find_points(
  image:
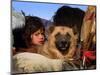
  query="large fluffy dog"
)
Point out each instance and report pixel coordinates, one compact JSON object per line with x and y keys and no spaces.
{"x":63,"y":36}
{"x":61,"y":42}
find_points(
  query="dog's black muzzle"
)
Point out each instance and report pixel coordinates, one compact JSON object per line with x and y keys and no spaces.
{"x":62,"y":45}
{"x":62,"y":42}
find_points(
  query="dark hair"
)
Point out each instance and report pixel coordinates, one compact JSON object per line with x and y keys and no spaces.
{"x":32,"y":24}
{"x":69,"y":16}
{"x":18,"y":39}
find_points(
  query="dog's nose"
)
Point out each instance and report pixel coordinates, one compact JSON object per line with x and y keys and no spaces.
{"x":64,"y":42}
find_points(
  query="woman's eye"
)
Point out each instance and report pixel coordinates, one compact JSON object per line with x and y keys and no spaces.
{"x":42,"y":33}
{"x":36,"y":34}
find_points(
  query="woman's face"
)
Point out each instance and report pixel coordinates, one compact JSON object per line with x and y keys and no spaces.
{"x":38,"y":37}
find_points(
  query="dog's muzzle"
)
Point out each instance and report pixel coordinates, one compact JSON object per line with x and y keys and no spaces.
{"x":63,"y":44}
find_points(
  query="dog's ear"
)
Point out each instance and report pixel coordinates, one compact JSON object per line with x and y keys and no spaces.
{"x":75,"y":30}
{"x":50,"y":29}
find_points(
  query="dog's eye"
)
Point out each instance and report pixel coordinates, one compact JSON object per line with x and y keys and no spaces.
{"x":57,"y":35}
{"x":68,"y":35}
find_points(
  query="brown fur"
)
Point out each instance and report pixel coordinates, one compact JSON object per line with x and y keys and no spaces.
{"x":50,"y":49}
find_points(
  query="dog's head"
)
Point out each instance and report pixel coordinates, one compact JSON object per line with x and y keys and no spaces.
{"x":62,"y":38}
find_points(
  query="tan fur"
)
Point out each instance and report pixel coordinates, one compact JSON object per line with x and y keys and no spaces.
{"x":50,"y":49}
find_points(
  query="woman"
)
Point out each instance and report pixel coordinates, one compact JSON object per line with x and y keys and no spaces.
{"x":33,"y":34}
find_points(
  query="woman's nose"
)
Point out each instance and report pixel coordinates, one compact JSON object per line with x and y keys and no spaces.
{"x":41,"y":36}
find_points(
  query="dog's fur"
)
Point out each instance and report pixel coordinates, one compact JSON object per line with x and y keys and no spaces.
{"x":58,"y":34}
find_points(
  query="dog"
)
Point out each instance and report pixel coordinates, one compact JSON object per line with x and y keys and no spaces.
{"x":61,"y":43}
